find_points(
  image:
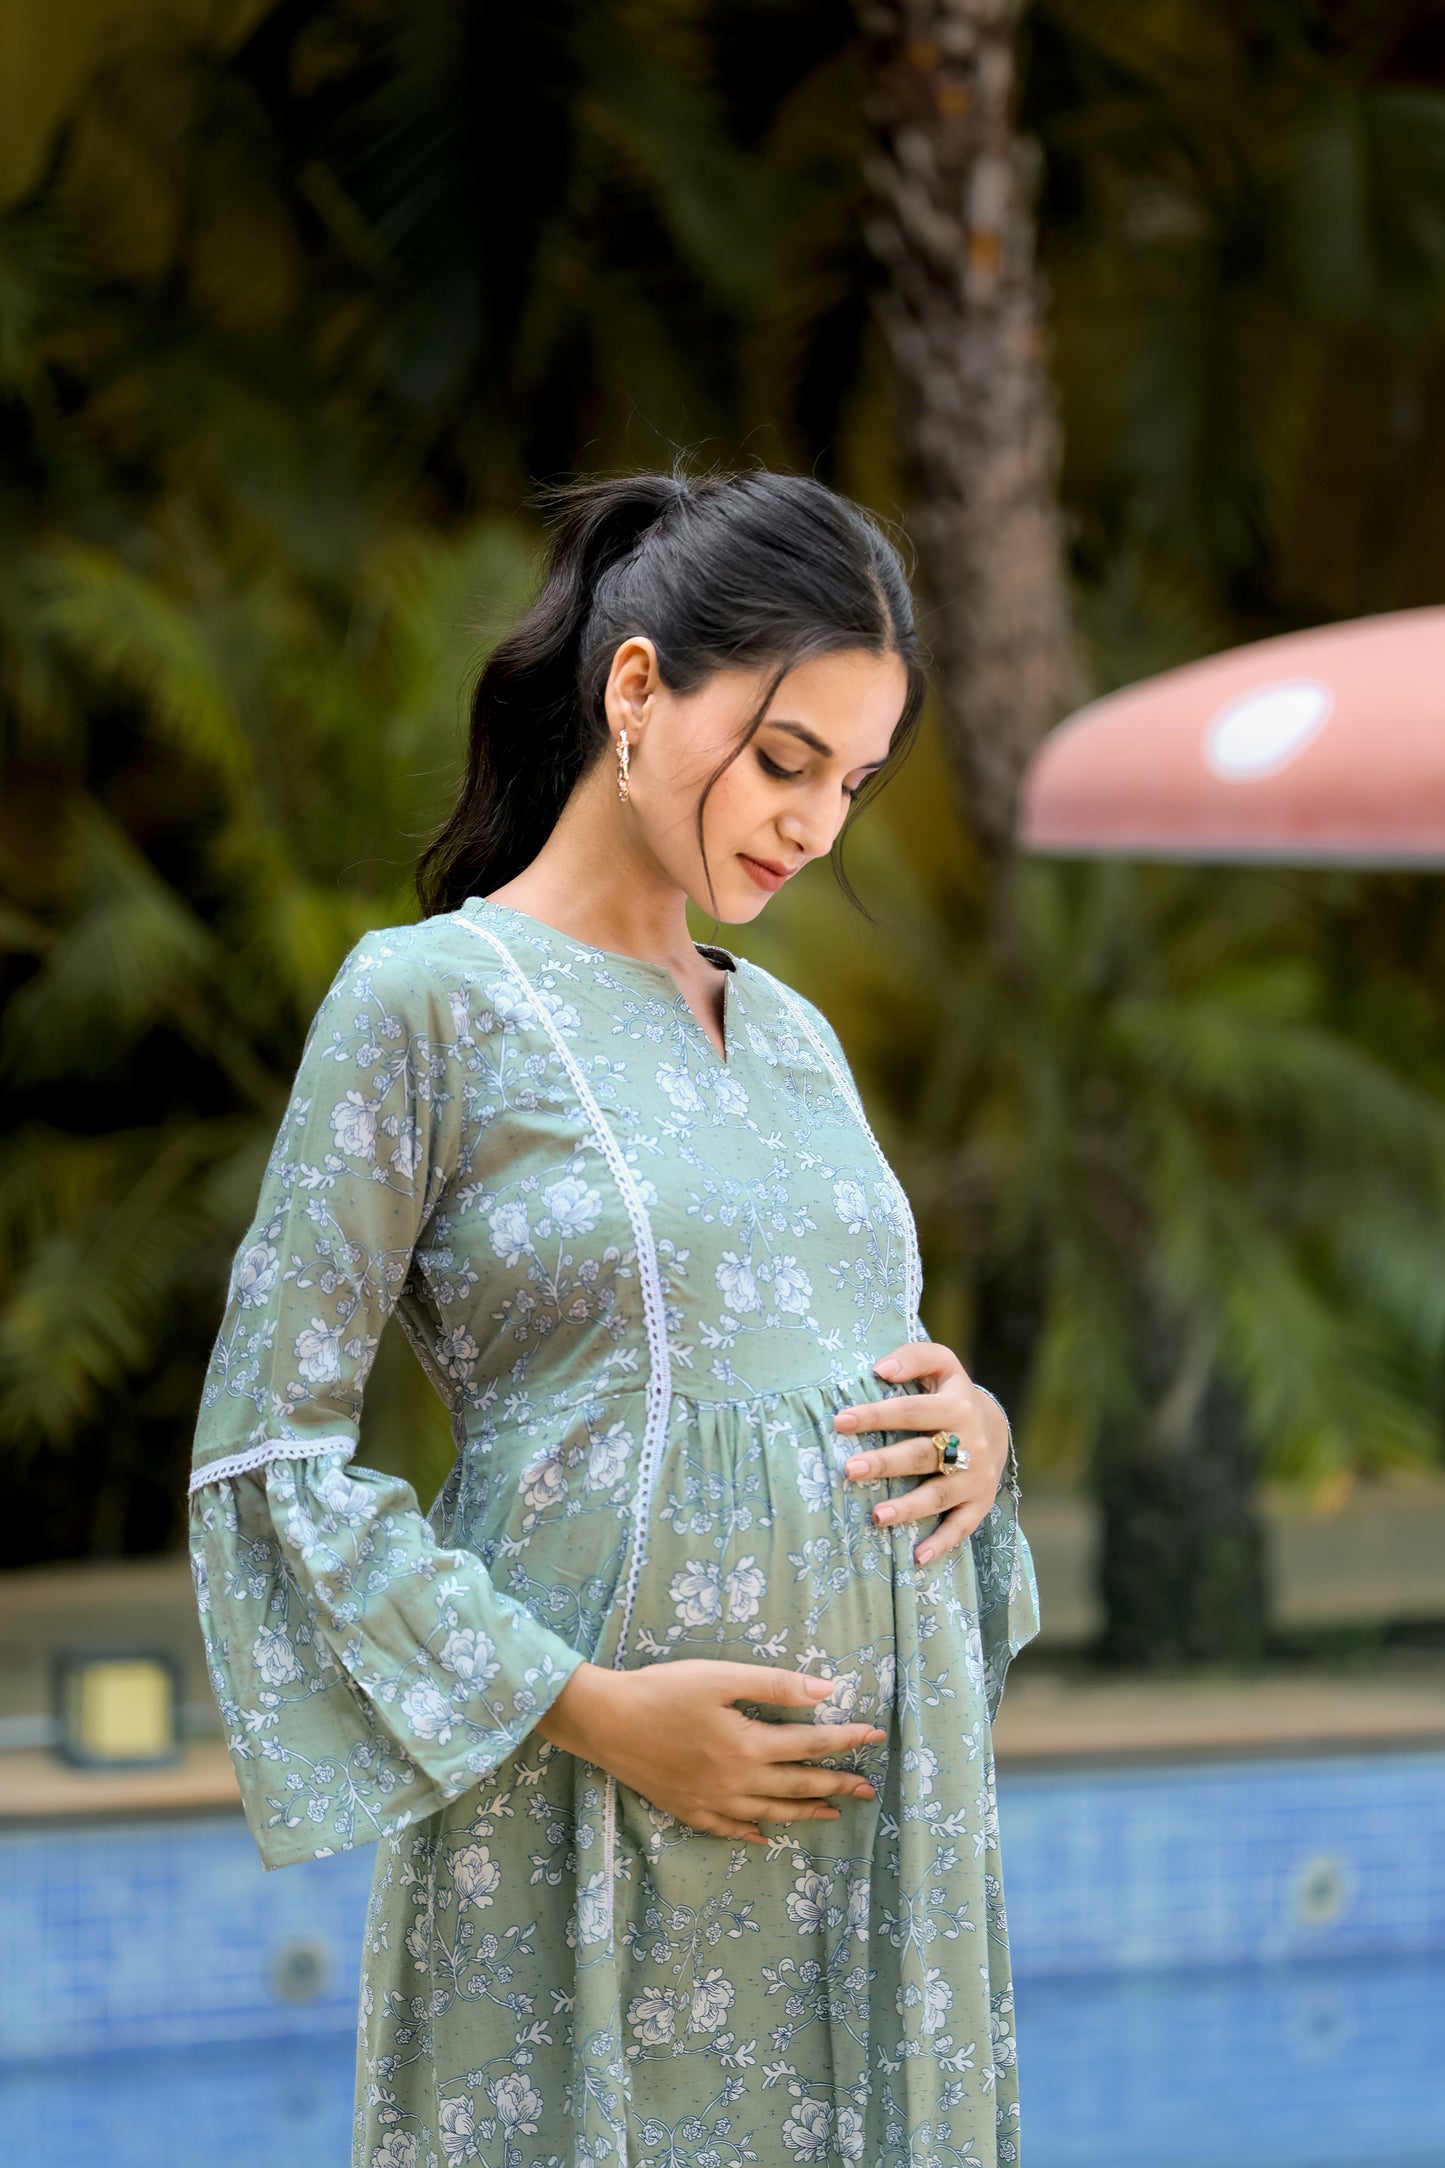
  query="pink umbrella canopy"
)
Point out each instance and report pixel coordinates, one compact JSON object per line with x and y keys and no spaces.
{"x":1323,"y":748}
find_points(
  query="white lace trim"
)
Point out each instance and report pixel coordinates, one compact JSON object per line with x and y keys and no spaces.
{"x":659,"y":1377}
{"x":659,"y":1382}
{"x":912,"y":1264}
{"x":257,"y":1456}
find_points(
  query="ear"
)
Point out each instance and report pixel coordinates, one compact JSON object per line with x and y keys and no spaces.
{"x":632,"y":680}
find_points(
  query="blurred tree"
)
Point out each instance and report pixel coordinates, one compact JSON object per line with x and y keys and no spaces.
{"x":232,"y":654}
{"x":1241,"y":228}
{"x":953,"y":227}
{"x":265,"y":344}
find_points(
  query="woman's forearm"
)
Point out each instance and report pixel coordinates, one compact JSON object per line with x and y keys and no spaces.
{"x":584,"y":1713}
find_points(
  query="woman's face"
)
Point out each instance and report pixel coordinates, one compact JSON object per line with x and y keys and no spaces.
{"x":782,"y":801}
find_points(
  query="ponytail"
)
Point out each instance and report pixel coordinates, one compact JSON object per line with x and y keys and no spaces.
{"x":719,"y":571}
{"x":529,"y":740}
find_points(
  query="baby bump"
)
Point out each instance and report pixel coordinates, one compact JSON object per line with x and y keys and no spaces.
{"x":760,"y":1551}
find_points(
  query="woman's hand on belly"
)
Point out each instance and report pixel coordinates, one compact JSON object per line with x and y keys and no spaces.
{"x":670,"y":1730}
{"x":960,"y":1496}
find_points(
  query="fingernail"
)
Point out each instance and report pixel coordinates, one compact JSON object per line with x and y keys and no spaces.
{"x":820,"y":1689}
{"x":883,"y":1513}
{"x":858,"y":1465}
{"x":843,"y":1422}
{"x":888,"y":1368}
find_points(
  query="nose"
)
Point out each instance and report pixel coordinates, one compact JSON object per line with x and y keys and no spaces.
{"x":807,"y":832}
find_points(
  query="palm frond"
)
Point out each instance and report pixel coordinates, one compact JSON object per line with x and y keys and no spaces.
{"x":104,"y":1230}
{"x":133,"y":954}
{"x":130,"y":630}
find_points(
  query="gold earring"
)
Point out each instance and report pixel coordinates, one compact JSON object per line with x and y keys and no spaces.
{"x":622,"y":759}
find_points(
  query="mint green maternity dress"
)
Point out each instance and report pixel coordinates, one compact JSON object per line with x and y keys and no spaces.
{"x":643,"y":1279}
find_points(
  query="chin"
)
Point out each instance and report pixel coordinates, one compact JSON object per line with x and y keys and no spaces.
{"x":741,"y":902}
{"x":749,"y":907}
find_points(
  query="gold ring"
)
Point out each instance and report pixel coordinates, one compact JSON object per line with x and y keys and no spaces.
{"x":950,"y":1453}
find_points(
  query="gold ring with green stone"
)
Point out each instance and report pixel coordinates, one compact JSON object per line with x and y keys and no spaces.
{"x":945,"y":1444}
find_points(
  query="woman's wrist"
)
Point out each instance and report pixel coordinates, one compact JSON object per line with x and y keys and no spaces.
{"x":581,"y":1717}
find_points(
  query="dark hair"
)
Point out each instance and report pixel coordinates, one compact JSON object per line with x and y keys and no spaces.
{"x":719,"y":571}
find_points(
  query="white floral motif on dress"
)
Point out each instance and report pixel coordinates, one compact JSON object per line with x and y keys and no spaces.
{"x":255,"y":1274}
{"x":458,"y":2131}
{"x":574,"y":1207}
{"x":476,"y":1874}
{"x":353,"y":1126}
{"x":738,"y":1285}
{"x":792,"y":1289}
{"x":318,"y":1352}
{"x":470,"y":1654}
{"x":518,"y":2102}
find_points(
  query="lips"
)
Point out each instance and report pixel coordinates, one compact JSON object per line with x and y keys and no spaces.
{"x":766,"y":871}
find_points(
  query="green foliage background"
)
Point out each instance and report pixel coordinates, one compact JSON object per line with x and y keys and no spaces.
{"x":295,"y":301}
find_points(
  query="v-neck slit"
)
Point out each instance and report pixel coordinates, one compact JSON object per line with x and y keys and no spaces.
{"x":726,"y":962}
{"x":723,"y":1058}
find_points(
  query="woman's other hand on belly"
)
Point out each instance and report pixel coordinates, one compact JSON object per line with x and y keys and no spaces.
{"x":671,"y":1732}
{"x":950,"y":1406}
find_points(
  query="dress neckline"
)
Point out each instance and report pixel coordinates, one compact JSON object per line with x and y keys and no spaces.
{"x":723,"y":958}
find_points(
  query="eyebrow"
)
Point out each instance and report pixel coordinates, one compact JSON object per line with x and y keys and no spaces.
{"x":796,"y":730}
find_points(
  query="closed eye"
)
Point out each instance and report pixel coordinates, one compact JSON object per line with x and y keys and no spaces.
{"x":790,"y":775}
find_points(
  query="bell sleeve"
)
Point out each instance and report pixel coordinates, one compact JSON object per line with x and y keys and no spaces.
{"x":1008,"y":1590}
{"x":365,"y":1674}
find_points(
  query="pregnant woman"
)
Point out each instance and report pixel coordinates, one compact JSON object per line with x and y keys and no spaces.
{"x":673,"y":1715}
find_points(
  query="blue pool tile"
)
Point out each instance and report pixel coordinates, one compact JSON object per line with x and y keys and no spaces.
{"x":168,"y":1935}
{"x":1276,"y":2067}
{"x":275,"y":2104}
{"x":1224,"y":1864}
{"x":171,"y":1934}
{"x":1319,"y":2066}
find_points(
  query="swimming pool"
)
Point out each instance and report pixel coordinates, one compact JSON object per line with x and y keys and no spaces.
{"x":1229,"y":1965}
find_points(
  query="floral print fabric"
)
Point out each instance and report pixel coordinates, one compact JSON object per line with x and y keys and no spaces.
{"x":644,"y":1279}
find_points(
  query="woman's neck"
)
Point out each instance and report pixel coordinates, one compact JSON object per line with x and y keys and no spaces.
{"x":590,"y":881}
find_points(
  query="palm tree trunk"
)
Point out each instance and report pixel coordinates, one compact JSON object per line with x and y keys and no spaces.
{"x":1183,"y":1564}
{"x":952,"y":226}
{"x":1183,"y":1576}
